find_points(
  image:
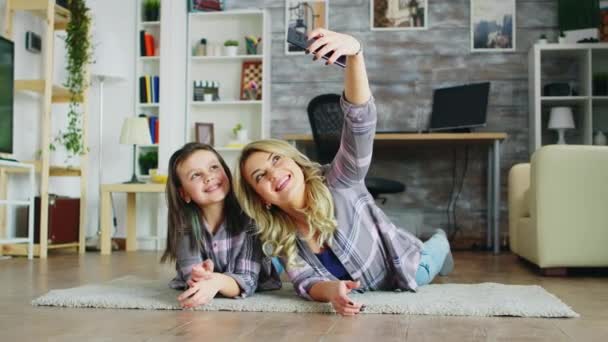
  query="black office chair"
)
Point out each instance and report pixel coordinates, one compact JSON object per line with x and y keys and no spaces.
{"x":326,"y":120}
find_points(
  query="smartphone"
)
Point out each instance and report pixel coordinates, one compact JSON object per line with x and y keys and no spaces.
{"x":299,"y":39}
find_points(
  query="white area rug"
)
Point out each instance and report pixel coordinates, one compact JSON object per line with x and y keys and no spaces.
{"x":486,"y":299}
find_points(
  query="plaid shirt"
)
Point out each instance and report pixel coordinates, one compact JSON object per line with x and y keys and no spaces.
{"x":370,"y":247}
{"x":238,"y":256}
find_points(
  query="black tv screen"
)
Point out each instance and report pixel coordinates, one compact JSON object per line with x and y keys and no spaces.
{"x":460,"y":107}
{"x":7,"y":81}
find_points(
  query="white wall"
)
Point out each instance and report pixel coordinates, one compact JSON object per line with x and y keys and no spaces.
{"x":115,"y":41}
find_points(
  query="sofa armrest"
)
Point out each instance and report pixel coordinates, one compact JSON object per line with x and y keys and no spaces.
{"x":568,"y":204}
{"x":519,"y":183}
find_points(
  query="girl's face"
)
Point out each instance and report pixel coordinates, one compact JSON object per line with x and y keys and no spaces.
{"x":277,"y":179}
{"x":203,"y":179}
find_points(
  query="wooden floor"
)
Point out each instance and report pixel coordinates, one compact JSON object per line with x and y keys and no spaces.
{"x":22,"y":280}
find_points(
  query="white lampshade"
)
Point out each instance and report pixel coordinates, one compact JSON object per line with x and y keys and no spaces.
{"x":561,"y":118}
{"x":135,"y":131}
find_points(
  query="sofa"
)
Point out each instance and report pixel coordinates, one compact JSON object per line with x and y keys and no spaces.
{"x":558,"y":207}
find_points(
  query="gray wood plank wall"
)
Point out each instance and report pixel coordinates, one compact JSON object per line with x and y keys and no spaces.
{"x":404,"y":67}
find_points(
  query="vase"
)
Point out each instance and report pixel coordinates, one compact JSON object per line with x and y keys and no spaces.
{"x":231,"y":51}
{"x":242,"y":136}
{"x":251,"y":94}
{"x":599,"y":138}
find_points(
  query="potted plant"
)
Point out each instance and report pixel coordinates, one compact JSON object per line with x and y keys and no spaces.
{"x":151,"y":10}
{"x":562,"y":37}
{"x":240,"y":133}
{"x":542,"y":39}
{"x":79,"y":52}
{"x":148,"y":161}
{"x":231,"y":47}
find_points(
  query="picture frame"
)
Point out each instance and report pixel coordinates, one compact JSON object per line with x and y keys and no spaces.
{"x":204,"y":133}
{"x":205,"y":5}
{"x":493,"y":26}
{"x":397,"y":15}
{"x":304,"y":16}
{"x":251,"y":71}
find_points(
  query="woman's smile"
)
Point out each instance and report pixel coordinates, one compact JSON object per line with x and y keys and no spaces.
{"x":282,"y":183}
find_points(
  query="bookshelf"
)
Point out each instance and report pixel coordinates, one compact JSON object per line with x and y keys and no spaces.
{"x":231,"y":108}
{"x":147,"y":80}
{"x":575,"y":65}
{"x":52,"y":18}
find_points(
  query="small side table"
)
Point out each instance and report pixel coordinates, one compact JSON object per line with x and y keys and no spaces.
{"x":106,"y":211}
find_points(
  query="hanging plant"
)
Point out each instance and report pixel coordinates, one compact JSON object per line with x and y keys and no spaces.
{"x":79,"y":54}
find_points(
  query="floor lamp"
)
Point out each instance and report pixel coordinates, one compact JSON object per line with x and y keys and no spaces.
{"x":101,"y":79}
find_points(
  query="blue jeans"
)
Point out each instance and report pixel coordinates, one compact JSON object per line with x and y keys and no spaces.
{"x":432,"y":256}
{"x":277,"y":265}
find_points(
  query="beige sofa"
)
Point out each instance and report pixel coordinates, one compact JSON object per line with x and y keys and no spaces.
{"x":558,"y":207}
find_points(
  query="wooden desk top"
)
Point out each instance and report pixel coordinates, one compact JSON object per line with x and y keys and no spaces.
{"x":145,"y":187}
{"x":419,"y":137}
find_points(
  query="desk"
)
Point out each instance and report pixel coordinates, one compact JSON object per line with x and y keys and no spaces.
{"x":493,"y":141}
{"x":106,"y":211}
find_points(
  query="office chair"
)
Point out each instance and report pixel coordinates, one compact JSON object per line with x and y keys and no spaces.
{"x":326,"y":120}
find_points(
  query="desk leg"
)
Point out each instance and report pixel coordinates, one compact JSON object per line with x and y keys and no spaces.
{"x":106,"y":213}
{"x":490,"y":197}
{"x":131,"y":224}
{"x":496,"y":196}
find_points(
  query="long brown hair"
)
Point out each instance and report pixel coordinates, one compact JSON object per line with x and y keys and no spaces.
{"x":185,"y":218}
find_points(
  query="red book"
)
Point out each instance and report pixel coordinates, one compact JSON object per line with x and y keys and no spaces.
{"x":156,"y":131}
{"x":149,"y":44}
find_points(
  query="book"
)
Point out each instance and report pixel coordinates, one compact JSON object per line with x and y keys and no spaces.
{"x":148,"y":90}
{"x":142,"y":43}
{"x":156,"y":89}
{"x":142,"y":89}
{"x":149,"y":43}
{"x":156,"y":132}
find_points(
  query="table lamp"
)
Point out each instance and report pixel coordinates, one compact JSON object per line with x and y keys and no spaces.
{"x":134,"y":132}
{"x":561,"y":120}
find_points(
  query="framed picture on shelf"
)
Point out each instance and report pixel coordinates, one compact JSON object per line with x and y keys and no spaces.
{"x":393,"y":15}
{"x":204,"y":133}
{"x":251,"y":80}
{"x":492,"y":25}
{"x":304,"y":16}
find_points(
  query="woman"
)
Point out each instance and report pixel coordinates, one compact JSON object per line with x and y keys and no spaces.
{"x":321,"y":220}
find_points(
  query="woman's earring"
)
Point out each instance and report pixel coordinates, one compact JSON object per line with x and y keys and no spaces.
{"x":268,"y":206}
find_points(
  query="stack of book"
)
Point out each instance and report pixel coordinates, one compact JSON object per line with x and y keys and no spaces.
{"x":146,"y":44}
{"x":149,"y":87}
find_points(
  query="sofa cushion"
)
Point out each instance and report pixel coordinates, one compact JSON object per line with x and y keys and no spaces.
{"x":526,"y":204}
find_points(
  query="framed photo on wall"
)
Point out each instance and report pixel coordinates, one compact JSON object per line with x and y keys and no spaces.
{"x":304,"y":16}
{"x":393,"y":15}
{"x":492,"y":25}
{"x":204,"y":133}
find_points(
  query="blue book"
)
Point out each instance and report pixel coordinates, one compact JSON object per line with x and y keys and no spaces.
{"x":152,"y":125}
{"x":156,"y":89}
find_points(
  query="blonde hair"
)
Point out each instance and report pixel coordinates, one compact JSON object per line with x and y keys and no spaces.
{"x":274,"y":225}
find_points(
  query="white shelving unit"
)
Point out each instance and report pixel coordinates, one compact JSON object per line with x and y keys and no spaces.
{"x":26,"y":203}
{"x":230,"y":109}
{"x":574,"y":64}
{"x":146,"y":65}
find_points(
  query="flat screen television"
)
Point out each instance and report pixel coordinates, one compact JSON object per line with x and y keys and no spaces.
{"x":7,"y":85}
{"x":460,"y":108}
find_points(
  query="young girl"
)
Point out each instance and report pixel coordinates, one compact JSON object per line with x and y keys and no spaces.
{"x":321,"y":220}
{"x":212,"y":241}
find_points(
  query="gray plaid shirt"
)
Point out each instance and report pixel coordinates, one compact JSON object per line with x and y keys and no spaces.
{"x":372,"y":250}
{"x":238,"y":256}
